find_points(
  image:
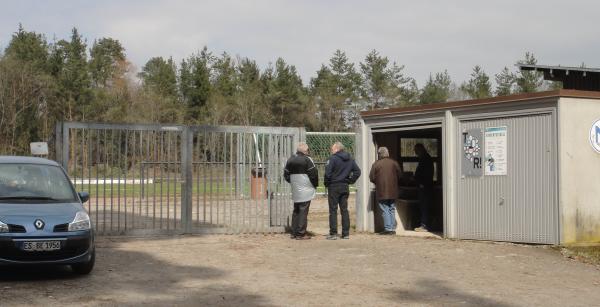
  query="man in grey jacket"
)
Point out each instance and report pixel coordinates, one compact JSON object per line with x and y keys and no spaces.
{"x":301,"y":173}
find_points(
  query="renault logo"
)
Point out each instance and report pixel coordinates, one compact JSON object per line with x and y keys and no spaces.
{"x":39,"y":224}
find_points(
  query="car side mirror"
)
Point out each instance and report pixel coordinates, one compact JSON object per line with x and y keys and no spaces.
{"x":84,"y":196}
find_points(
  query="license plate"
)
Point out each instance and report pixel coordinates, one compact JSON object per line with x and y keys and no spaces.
{"x":41,"y":246}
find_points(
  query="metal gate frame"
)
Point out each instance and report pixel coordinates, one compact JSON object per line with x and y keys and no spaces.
{"x":187,"y":160}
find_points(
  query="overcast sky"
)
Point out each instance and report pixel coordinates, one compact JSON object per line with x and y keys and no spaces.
{"x":425,"y":36}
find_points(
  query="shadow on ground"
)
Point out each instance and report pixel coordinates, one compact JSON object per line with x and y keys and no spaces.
{"x":124,"y":277}
{"x":437,"y":292}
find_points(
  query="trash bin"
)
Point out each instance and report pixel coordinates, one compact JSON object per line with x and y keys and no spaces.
{"x":258,"y":183}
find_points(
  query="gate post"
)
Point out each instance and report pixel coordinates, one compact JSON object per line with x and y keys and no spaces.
{"x":65,"y":145}
{"x":301,"y":136}
{"x":187,"y":145}
{"x":58,"y":142}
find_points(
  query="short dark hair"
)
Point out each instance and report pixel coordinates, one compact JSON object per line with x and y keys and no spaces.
{"x":420,"y":146}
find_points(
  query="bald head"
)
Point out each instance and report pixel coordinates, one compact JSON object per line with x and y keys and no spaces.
{"x":303,"y":148}
{"x":336,"y":147}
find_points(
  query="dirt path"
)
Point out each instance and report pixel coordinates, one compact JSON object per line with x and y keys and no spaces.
{"x":272,"y":270}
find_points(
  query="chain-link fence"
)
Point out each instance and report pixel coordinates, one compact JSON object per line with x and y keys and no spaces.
{"x":319,"y":144}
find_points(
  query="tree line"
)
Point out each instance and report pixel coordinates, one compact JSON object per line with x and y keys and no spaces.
{"x":42,"y":82}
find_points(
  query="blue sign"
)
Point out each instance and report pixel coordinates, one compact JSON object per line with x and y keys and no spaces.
{"x":595,"y":136}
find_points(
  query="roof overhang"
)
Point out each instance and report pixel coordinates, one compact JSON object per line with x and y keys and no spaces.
{"x":493,"y":101}
{"x":575,"y":78}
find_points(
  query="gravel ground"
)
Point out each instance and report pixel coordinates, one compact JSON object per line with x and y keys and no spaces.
{"x":272,"y":270}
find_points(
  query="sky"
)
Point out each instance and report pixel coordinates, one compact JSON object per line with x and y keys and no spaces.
{"x":424,"y":36}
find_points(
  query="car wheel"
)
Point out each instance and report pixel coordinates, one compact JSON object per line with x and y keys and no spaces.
{"x":85,"y":267}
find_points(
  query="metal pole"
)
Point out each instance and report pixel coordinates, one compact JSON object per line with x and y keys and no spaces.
{"x":58,"y":142}
{"x":65,"y":147}
{"x":186,"y":186}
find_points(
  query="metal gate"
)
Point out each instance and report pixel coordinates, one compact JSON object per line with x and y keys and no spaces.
{"x":180,"y":179}
{"x":522,"y":205}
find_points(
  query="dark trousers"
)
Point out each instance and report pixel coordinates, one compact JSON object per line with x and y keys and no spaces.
{"x":338,"y":196}
{"x":300,"y":218}
{"x":425,"y":196}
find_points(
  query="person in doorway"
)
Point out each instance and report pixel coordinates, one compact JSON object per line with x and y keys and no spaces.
{"x":386,"y":175}
{"x":301,"y":172}
{"x":341,"y":171}
{"x":424,"y":180}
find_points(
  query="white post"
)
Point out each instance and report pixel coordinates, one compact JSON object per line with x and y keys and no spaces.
{"x":364,"y":216}
{"x":449,"y":171}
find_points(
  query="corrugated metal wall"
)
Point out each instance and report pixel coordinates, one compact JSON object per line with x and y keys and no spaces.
{"x":521,"y":206}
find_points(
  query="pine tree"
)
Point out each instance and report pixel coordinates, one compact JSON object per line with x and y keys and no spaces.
{"x":479,"y":85}
{"x":529,"y":81}
{"x":437,"y":89}
{"x":29,"y":47}
{"x":159,"y":75}
{"x":505,"y":81}
{"x":286,"y":96}
{"x":106,"y":57}
{"x":375,"y":78}
{"x":250,"y":106}
{"x":224,"y":76}
{"x":335,"y":88}
{"x":159,"y":85}
{"x":69,"y":65}
{"x":26,"y":92}
{"x":384,"y":84}
{"x":194,"y":84}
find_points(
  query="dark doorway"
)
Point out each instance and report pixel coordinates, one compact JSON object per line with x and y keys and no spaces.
{"x":401,"y":147}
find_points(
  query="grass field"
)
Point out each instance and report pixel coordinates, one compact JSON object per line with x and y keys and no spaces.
{"x":154,"y":189}
{"x":173,"y":186}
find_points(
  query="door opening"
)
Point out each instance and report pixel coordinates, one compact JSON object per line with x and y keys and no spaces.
{"x":414,"y":197}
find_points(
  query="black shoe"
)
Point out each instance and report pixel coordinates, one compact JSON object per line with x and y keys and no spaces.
{"x":292,"y":237}
{"x":391,"y":232}
{"x":302,"y":238}
{"x":332,"y":237}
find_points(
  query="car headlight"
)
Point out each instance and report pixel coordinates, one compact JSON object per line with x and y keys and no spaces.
{"x":81,"y":222}
{"x":3,"y":227}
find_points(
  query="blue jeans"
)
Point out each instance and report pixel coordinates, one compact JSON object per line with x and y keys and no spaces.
{"x":388,"y":211}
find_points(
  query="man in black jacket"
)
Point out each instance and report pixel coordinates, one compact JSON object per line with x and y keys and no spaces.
{"x":301,"y":173}
{"x":341,"y":170}
{"x":424,"y":180}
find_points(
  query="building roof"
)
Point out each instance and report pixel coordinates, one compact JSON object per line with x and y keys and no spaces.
{"x":25,"y":160}
{"x":483,"y":102}
{"x":573,"y":78}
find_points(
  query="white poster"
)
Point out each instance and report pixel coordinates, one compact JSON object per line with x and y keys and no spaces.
{"x":495,"y":151}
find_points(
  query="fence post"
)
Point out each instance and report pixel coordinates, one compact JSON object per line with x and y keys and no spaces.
{"x":58,"y":142}
{"x":187,"y":145}
{"x":301,"y":135}
{"x":65,"y":147}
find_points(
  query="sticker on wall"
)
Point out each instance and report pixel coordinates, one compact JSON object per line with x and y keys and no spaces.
{"x":595,"y":136}
{"x":472,"y":162}
{"x":496,"y":162}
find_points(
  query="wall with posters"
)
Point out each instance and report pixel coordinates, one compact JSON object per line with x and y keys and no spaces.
{"x":513,"y":196}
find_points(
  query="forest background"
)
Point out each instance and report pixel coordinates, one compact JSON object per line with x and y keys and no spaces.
{"x":43,"y":82}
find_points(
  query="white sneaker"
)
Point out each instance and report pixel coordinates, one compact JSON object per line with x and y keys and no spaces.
{"x":421,"y":229}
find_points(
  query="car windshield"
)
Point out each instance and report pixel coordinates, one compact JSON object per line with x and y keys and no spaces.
{"x":34,"y":182}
